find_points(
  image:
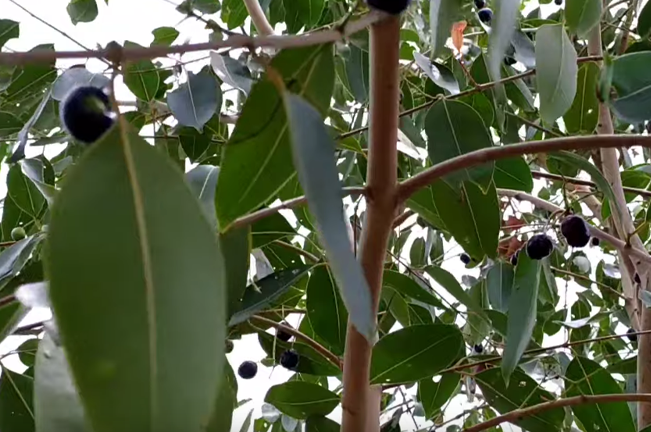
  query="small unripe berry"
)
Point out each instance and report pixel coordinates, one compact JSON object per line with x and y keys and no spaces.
{"x":485,"y":15}
{"x":539,"y":246}
{"x":575,"y":230}
{"x":18,"y":233}
{"x":289,"y":359}
{"x":247,"y":369}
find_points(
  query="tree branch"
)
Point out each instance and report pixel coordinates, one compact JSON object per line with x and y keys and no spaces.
{"x":358,"y":407}
{"x":115,"y":53}
{"x":331,"y":357}
{"x":259,"y":19}
{"x":576,"y":181}
{"x":410,"y":186}
{"x":559,"y":403}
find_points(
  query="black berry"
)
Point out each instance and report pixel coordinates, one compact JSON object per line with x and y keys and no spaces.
{"x":558,"y":2}
{"x":247,"y":369}
{"x":594,"y":241}
{"x":509,"y":61}
{"x":393,"y":7}
{"x":289,"y":359}
{"x":85,"y":113}
{"x":575,"y":230}
{"x":282,"y":334}
{"x":485,"y":15}
{"x":18,"y":233}
{"x":465,"y":258}
{"x":514,"y":258}
{"x":480,"y":4}
{"x":539,"y":246}
{"x":631,"y":335}
{"x":478,"y":349}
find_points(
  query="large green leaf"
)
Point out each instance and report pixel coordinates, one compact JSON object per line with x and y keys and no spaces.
{"x":556,"y":71}
{"x":415,"y":353}
{"x":56,"y":402}
{"x":356,"y":73}
{"x":9,"y":29}
{"x":522,"y":391}
{"x":321,"y":424}
{"x":317,"y":172}
{"x":586,"y":377}
{"x":513,"y":173}
{"x":141,"y":77}
{"x":326,"y":310}
{"x":16,"y":406}
{"x":452,"y":286}
{"x":442,"y":14}
{"x":82,"y":11}
{"x":410,"y":288}
{"x":169,"y":291}
{"x":303,"y":13}
{"x":522,"y":312}
{"x":257,"y":161}
{"x":434,"y":395}
{"x":582,"y":15}
{"x":302,"y":399}
{"x":225,"y":403}
{"x":471,"y":216}
{"x":643,"y":21}
{"x":583,"y":115}
{"x":196,"y":100}
{"x":633,"y":85}
{"x":499,"y":282}
{"x":502,"y":27}
{"x":454,"y":128}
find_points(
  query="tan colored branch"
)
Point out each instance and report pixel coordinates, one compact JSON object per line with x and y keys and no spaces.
{"x":332,"y":358}
{"x":259,"y":19}
{"x":359,"y":413}
{"x":117,"y":54}
{"x":478,"y":157}
{"x":515,"y":415}
{"x":576,"y":181}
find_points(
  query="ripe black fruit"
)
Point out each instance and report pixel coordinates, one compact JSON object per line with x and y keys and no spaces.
{"x":539,"y":246}
{"x":631,"y":337}
{"x":594,"y":241}
{"x":247,"y":369}
{"x":485,"y":15}
{"x":465,"y":258}
{"x":282,"y":334}
{"x":478,"y":349}
{"x":509,"y":61}
{"x":575,"y":230}
{"x":85,"y":113}
{"x":558,"y":2}
{"x":480,"y":4}
{"x":18,"y":233}
{"x":393,"y":7}
{"x":289,"y":359}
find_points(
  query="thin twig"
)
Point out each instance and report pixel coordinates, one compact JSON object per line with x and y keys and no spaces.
{"x":576,"y":181}
{"x":298,"y":250}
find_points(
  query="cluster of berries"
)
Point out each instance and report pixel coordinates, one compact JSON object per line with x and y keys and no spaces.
{"x":288,"y":359}
{"x":484,"y":13}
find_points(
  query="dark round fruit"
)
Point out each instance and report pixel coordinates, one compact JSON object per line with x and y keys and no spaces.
{"x":539,"y":246}
{"x":85,"y":113}
{"x":594,"y":241}
{"x":478,"y":349}
{"x":282,"y":334}
{"x":289,"y":359}
{"x":485,"y":15}
{"x":631,"y":337}
{"x":480,"y":4}
{"x":393,"y":7}
{"x":229,"y":346}
{"x":465,"y":258}
{"x":575,"y":230}
{"x":247,"y":369}
{"x":18,"y":233}
{"x":558,"y":2}
{"x":509,"y":61}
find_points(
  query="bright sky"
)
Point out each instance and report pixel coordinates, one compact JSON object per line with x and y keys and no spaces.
{"x":133,"y":20}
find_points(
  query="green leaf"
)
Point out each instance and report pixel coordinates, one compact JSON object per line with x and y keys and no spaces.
{"x":257,"y":161}
{"x":643,"y":22}
{"x":23,"y":205}
{"x":321,"y":424}
{"x":422,"y":202}
{"x":472,"y":217}
{"x":317,"y":172}
{"x":414,"y":353}
{"x":513,"y":173}
{"x":27,"y":352}
{"x":439,"y":74}
{"x":633,"y":85}
{"x":265,"y":291}
{"x":442,"y":14}
{"x":556,"y":71}
{"x":16,"y":407}
{"x":586,"y":377}
{"x":521,"y":313}
{"x":225,"y":403}
{"x":310,"y":361}
{"x":302,"y":399}
{"x":326,"y":310}
{"x":18,"y":151}
{"x":521,"y":392}
{"x":274,"y":227}
{"x":583,"y":115}
{"x":453,"y":129}
{"x":14,"y":258}
{"x":433,"y":395}
{"x":409,"y":287}
{"x":502,"y":28}
{"x":56,"y":402}
{"x":357,"y":74}
{"x":302,"y":14}
{"x":450,"y":284}
{"x":196,"y":100}
{"x":164,"y":36}
{"x":500,"y":284}
{"x":74,"y":77}
{"x":231,"y":71}
{"x":141,"y":77}
{"x":9,"y":124}
{"x":582,"y":15}
{"x":82,"y":11}
{"x":238,"y":244}
{"x":202,"y":180}
{"x":234,"y":13}
{"x":169,"y":292}
{"x":9,"y":29}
